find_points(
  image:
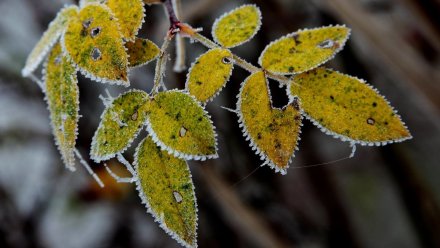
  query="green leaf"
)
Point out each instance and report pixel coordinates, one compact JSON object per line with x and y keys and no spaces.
{"x":273,"y":132}
{"x":304,"y":50}
{"x":130,"y":14}
{"x":181,"y":126}
{"x":62,"y":96}
{"x":209,"y":74}
{"x":348,"y":108}
{"x":237,"y":27}
{"x":93,"y":42}
{"x":141,"y":52}
{"x":120,"y":124}
{"x":50,"y":37}
{"x":166,"y":188}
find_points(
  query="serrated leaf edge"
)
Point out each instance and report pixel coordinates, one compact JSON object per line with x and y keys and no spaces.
{"x":146,"y":63}
{"x":216,"y":22}
{"x":252,"y":144}
{"x":68,"y":166}
{"x":341,"y":47}
{"x":221,"y":88}
{"x":176,"y":153}
{"x":28,"y":69}
{"x":99,"y":159}
{"x":346,"y":138}
{"x":86,"y":73}
{"x":82,"y":4}
{"x":157,"y":218}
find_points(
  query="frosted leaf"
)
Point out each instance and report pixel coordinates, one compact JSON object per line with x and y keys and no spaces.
{"x":348,"y":108}
{"x":50,"y":37}
{"x":99,"y":56}
{"x":120,"y":124}
{"x":273,"y":133}
{"x":166,"y":188}
{"x":304,"y":50}
{"x":170,"y":112}
{"x":141,"y":52}
{"x":62,"y":96}
{"x":130,"y":14}
{"x":209,"y":74}
{"x":237,"y":26}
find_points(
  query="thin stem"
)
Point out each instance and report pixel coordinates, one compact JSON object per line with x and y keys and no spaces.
{"x":179,"y":64}
{"x":170,"y":10}
{"x":88,"y":168}
{"x":37,"y":81}
{"x":161,"y":64}
{"x":127,"y":164}
{"x":118,"y":178}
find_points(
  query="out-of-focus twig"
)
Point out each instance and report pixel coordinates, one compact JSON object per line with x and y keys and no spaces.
{"x":240,"y":217}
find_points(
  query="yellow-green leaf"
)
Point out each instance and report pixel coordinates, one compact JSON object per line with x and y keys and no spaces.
{"x":181,"y":126}
{"x":273,"y":132}
{"x":130,"y":14}
{"x":120,"y":123}
{"x":166,"y":188}
{"x":50,"y":37}
{"x":304,"y":50}
{"x":209,"y":74}
{"x":62,"y":97}
{"x":237,"y":27}
{"x":141,"y":52}
{"x":94,"y":43}
{"x":348,"y":108}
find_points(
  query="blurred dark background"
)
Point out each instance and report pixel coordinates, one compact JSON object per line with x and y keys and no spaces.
{"x":383,"y":197}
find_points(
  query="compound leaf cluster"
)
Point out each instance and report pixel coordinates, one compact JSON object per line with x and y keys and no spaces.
{"x":99,"y":39}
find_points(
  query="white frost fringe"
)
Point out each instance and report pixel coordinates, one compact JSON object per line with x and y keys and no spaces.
{"x":341,"y":46}
{"x":252,"y":143}
{"x":217,"y":21}
{"x":89,"y":169}
{"x":176,"y":153}
{"x":346,"y":138}
{"x":158,"y":218}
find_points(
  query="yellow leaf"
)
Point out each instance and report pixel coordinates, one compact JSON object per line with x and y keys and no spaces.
{"x":348,"y":108}
{"x":50,"y":37}
{"x":304,"y":50}
{"x":62,"y":97}
{"x":130,"y":14}
{"x":93,"y":42}
{"x":166,"y":188}
{"x":273,"y":132}
{"x":120,"y":124}
{"x":181,"y":126}
{"x":141,"y":52}
{"x":237,"y":27}
{"x":209,"y":74}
